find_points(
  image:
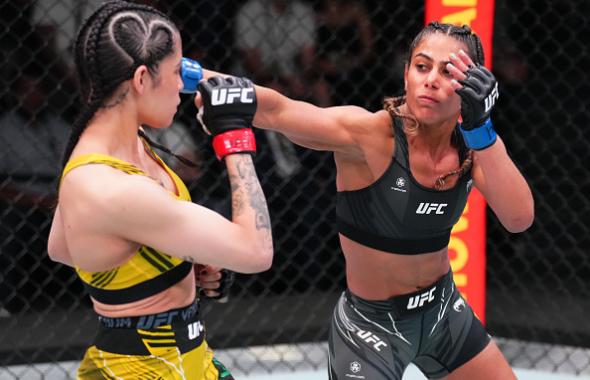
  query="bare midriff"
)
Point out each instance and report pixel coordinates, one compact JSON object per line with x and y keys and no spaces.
{"x":179,"y":295}
{"x":376,"y":275}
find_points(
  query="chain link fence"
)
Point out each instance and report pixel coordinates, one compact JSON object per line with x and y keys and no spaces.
{"x":537,"y":281}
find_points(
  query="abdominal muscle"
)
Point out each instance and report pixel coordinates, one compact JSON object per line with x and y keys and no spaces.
{"x":179,"y":295}
{"x":376,"y":275}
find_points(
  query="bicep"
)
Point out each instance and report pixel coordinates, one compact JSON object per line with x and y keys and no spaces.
{"x":178,"y":228}
{"x":332,"y":128}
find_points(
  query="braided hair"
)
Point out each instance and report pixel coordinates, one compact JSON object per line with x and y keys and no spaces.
{"x":465,"y":35}
{"x":111,"y":44}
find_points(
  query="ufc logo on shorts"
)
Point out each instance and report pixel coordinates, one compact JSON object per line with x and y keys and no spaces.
{"x":194,"y":330}
{"x":491,"y":99}
{"x":371,"y":338}
{"x":427,"y":208}
{"x":421,"y":299}
{"x":221,"y":96}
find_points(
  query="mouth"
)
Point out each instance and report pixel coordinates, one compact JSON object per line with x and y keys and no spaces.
{"x":427,"y":99}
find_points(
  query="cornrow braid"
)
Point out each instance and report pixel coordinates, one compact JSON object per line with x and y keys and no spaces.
{"x":164,"y":149}
{"x":439,"y":184}
{"x":392,"y":104}
{"x":116,"y":39}
{"x":86,"y":63}
{"x":475,"y":51}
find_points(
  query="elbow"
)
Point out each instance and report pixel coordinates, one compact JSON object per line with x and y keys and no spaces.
{"x":521,"y":222}
{"x":259,"y":259}
{"x":262,"y":265}
{"x":52,"y":251}
{"x":56,"y":255}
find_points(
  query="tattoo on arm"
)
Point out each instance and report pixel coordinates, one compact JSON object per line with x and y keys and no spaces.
{"x":237,"y":202}
{"x":254,"y":192}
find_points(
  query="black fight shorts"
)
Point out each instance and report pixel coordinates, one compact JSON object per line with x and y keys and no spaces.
{"x":376,"y":340}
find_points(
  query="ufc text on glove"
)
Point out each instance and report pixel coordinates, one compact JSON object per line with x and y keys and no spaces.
{"x":229,"y":105}
{"x":478,"y":97}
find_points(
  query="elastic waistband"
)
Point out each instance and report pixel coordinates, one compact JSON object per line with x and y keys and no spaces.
{"x":407,"y":304}
{"x":151,"y":321}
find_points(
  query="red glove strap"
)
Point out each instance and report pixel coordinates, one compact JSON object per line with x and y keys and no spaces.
{"x":234,"y":141}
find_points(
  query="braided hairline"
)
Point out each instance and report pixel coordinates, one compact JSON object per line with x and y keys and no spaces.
{"x":149,"y":29}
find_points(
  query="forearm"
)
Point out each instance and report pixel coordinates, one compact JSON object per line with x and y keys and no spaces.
{"x":210,"y":73}
{"x":249,"y":208}
{"x":505,"y":188}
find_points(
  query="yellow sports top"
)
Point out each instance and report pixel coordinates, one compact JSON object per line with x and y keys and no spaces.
{"x":148,"y":271}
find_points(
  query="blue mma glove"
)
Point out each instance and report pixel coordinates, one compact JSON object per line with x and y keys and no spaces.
{"x":191,"y":73}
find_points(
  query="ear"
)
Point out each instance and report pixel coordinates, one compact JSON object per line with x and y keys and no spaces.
{"x":406,"y":77}
{"x":140,"y":78}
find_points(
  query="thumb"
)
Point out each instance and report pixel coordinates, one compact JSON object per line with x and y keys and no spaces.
{"x":198,"y":100}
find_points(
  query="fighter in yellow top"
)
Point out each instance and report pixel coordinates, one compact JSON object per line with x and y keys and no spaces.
{"x":125,"y":221}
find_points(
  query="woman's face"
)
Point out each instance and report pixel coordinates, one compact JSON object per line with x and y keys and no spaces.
{"x":429,"y":95}
{"x":163,"y":96}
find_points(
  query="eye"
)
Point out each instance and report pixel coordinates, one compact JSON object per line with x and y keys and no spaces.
{"x":421,"y":67}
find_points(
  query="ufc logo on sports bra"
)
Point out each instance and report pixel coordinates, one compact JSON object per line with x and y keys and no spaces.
{"x":221,"y":96}
{"x":421,"y":299}
{"x":427,"y":208}
{"x":491,"y":99}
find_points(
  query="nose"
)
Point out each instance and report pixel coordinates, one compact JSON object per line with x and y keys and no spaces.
{"x":432,"y":79}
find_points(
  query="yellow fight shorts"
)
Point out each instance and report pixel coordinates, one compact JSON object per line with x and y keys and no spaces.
{"x":165,"y":346}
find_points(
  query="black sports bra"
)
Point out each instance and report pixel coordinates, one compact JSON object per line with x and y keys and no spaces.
{"x":398,"y":215}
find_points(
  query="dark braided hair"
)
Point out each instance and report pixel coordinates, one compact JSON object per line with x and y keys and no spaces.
{"x":112,"y":43}
{"x":474,"y":49}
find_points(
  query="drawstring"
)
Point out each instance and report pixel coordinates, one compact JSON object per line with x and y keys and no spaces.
{"x":184,"y":160}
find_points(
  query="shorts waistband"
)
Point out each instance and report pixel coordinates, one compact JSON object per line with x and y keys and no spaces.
{"x":151,"y":321}
{"x":407,"y":304}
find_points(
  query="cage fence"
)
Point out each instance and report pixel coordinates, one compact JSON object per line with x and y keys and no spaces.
{"x":537,"y":281}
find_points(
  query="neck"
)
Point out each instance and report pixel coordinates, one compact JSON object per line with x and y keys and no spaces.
{"x":114,"y":131}
{"x":435,"y":139}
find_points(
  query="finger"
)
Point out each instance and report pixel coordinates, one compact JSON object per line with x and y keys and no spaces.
{"x":474,"y":83}
{"x":211,"y":293}
{"x":458,"y":62}
{"x":455,"y":72}
{"x":455,"y":84}
{"x":468,"y":92}
{"x":208,"y":285}
{"x":466,"y":59}
{"x":198,"y":101}
{"x":208,"y":277}
{"x":211,"y":268}
{"x":216,"y":80}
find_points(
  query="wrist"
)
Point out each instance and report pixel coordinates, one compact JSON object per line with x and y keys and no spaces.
{"x":234,"y":141}
{"x":480,"y":137}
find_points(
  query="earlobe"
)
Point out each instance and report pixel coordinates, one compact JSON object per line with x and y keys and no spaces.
{"x":139,"y":78}
{"x":406,"y":77}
